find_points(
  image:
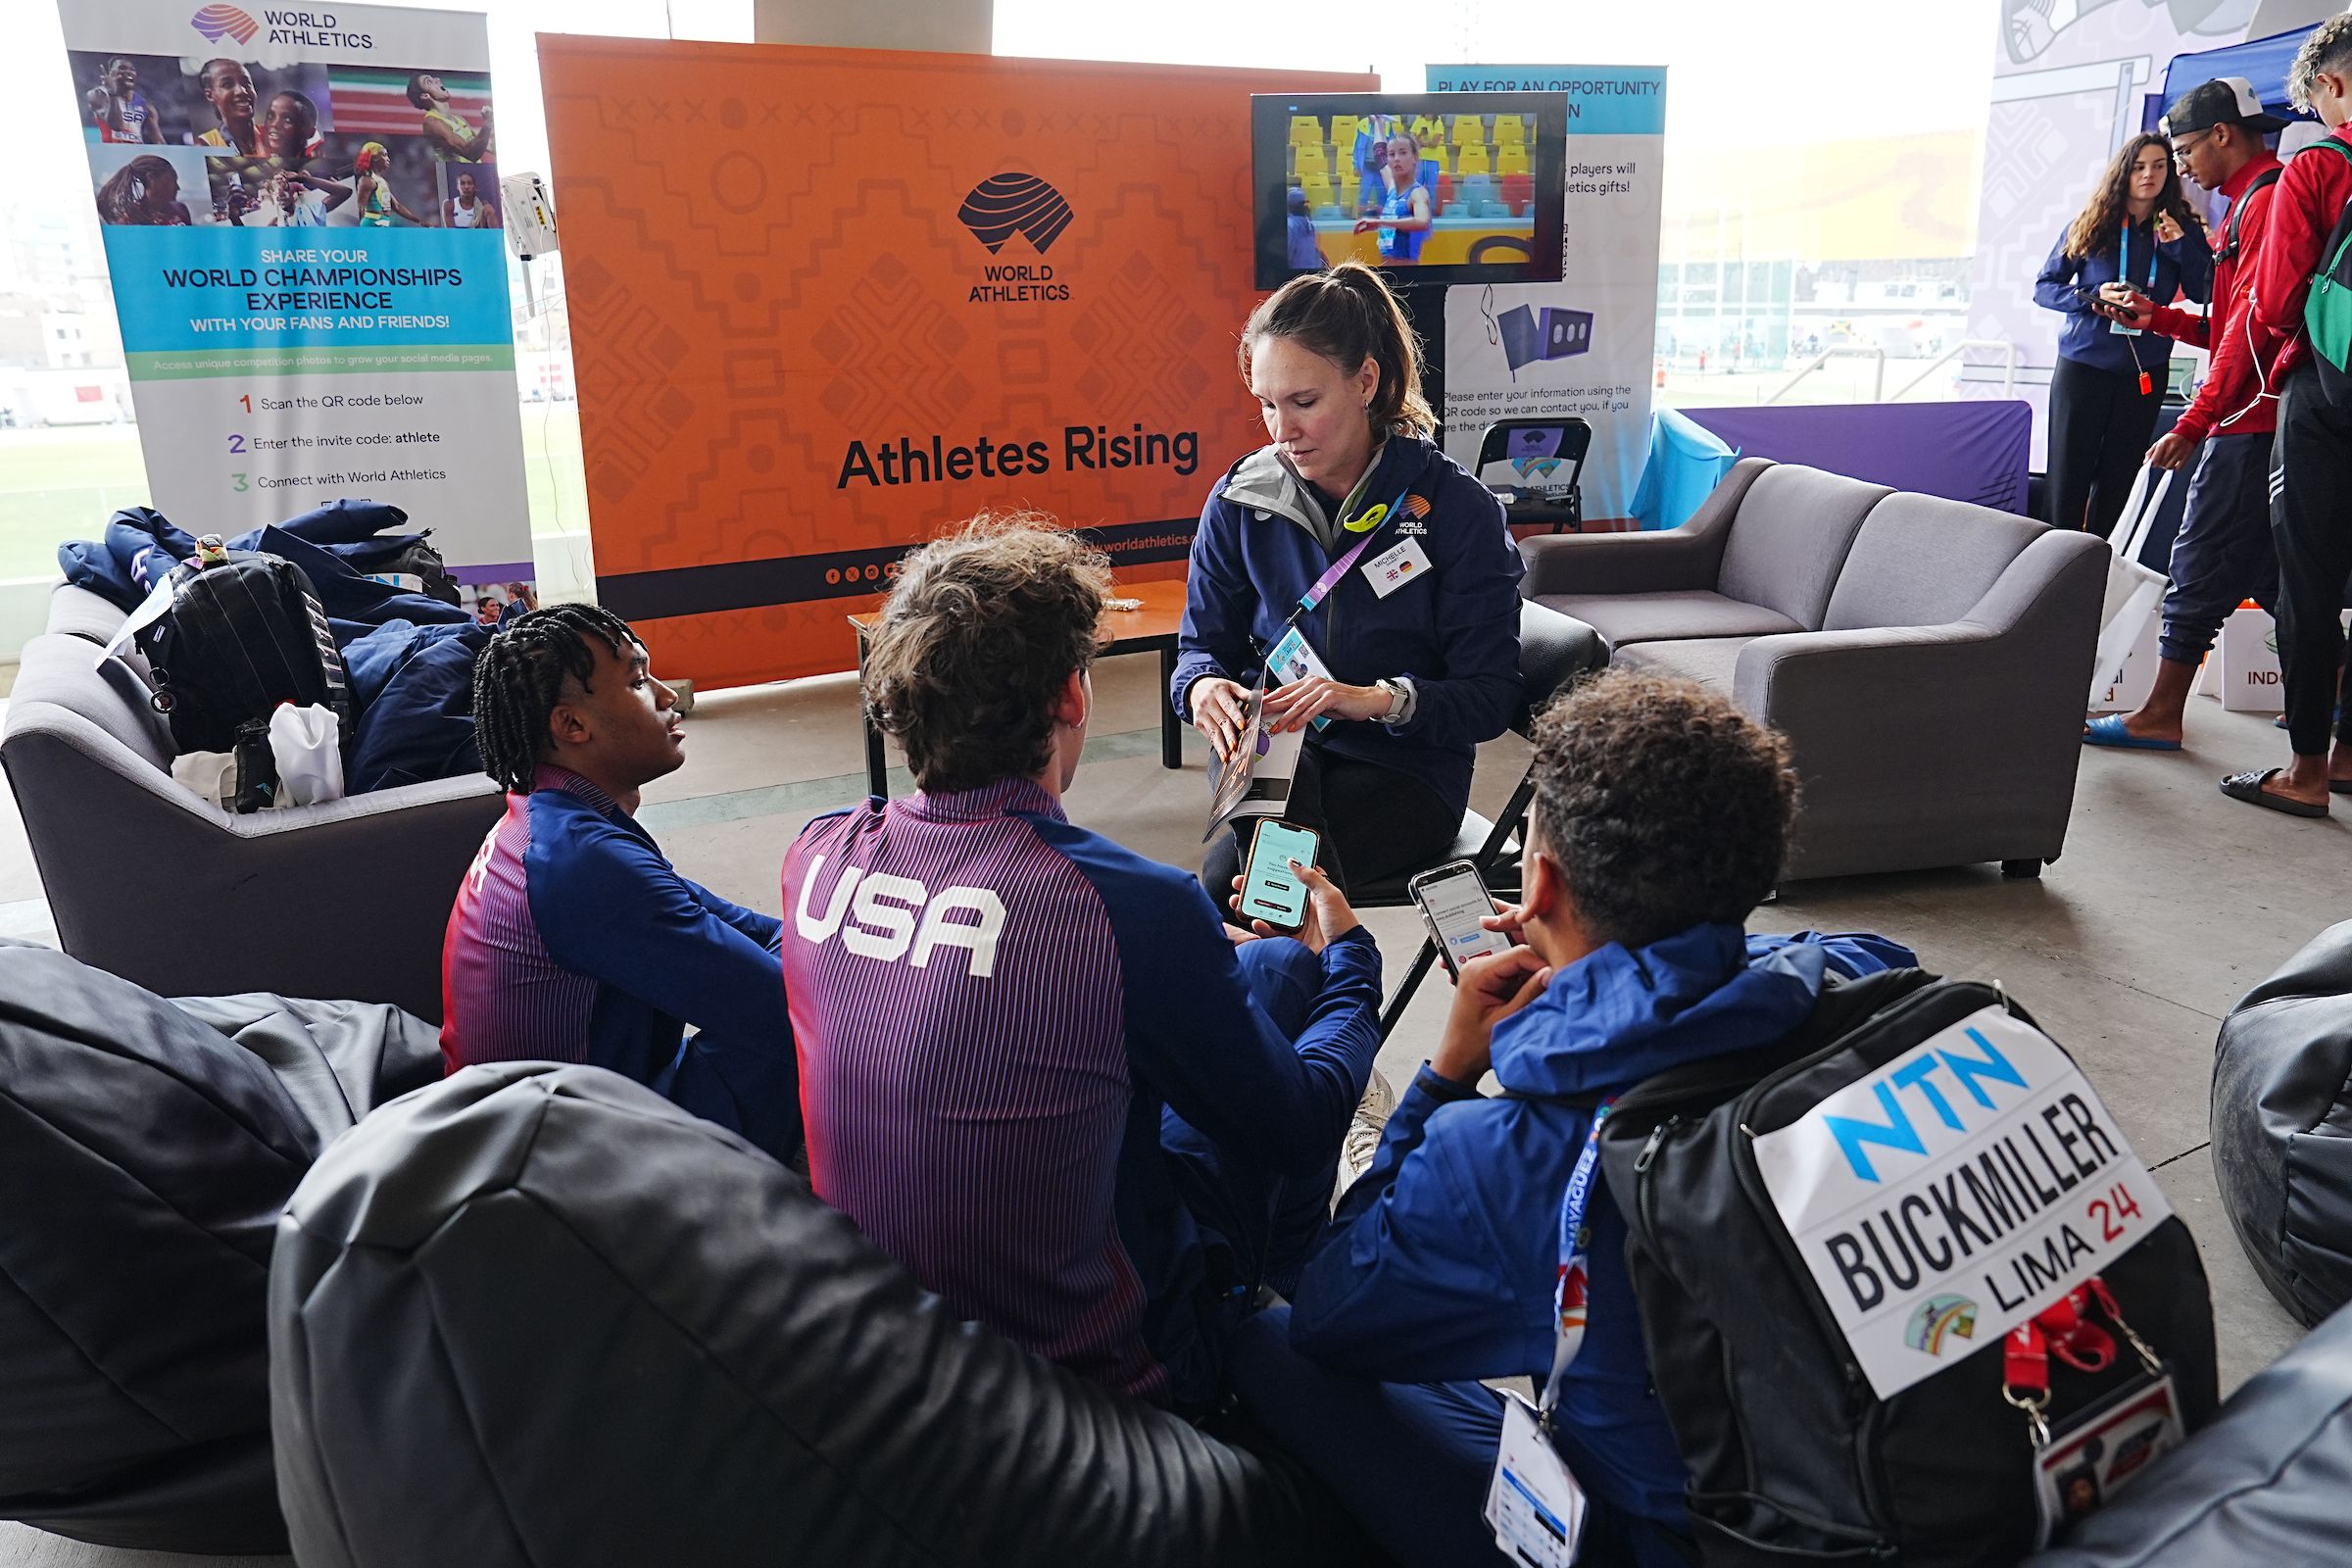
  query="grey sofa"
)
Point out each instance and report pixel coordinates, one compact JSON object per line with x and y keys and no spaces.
{"x":1927,"y":658}
{"x":147,"y":880}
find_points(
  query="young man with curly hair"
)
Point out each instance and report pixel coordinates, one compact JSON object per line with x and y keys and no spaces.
{"x":1035,"y":1069}
{"x":1660,"y":818}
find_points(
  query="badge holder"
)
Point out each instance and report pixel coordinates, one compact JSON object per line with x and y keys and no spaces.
{"x":2079,"y":1468}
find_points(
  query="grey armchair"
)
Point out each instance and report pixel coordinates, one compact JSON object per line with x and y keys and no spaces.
{"x":1931,"y":688}
{"x":145,"y":879}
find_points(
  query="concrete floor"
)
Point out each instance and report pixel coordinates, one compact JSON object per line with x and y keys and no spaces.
{"x":2169,"y":903}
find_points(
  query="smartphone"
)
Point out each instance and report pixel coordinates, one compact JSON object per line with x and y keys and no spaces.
{"x":1453,"y":898}
{"x":1270,"y":891}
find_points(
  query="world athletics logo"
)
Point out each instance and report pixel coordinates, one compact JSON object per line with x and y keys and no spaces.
{"x":223,"y":22}
{"x":1009,"y":204}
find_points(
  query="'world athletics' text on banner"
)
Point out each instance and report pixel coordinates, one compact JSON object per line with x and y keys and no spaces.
{"x":1955,"y":1192}
{"x":301,"y":217}
{"x":1598,"y":369}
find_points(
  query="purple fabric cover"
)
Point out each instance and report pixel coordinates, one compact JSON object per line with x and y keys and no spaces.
{"x":1974,"y":452}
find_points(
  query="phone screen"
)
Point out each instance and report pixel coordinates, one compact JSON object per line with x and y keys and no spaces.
{"x":1269,"y":892}
{"x":1454,"y":901}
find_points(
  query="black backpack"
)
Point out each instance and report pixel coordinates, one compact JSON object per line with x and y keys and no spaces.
{"x":243,"y":634}
{"x":1793,"y":1455}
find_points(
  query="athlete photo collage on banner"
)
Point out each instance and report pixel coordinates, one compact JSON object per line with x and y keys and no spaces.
{"x":229,"y":139}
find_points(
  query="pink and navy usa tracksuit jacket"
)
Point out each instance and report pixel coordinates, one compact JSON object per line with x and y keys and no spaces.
{"x":573,"y":938}
{"x":993,"y":1008}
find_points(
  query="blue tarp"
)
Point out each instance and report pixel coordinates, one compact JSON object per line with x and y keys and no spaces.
{"x":2263,"y":62}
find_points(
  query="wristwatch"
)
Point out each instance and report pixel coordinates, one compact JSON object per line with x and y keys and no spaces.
{"x":1400,"y":697}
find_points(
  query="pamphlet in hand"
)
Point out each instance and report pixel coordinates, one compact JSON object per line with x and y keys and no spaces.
{"x":1255,"y":779}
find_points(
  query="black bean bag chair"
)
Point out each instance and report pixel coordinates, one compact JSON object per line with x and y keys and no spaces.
{"x":537,"y":1314}
{"x":2283,"y":1126}
{"x":2264,"y":1485}
{"x":146,"y":1149}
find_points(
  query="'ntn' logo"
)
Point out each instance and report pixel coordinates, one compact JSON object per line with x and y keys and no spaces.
{"x":1917,"y":1080}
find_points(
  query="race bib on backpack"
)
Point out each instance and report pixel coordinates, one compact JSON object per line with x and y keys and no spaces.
{"x":1961,"y":1189}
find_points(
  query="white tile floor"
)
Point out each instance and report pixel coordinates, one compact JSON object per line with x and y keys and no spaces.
{"x":2168,"y":904}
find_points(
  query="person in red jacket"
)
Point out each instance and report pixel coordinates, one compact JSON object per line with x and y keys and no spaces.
{"x":2311,"y":465}
{"x":2222,"y":555}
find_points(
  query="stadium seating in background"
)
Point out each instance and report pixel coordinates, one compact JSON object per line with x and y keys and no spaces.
{"x":1471,"y":157}
{"x":1518,"y":190}
{"x":1469,"y":128}
{"x":1510,"y":158}
{"x":1509,"y":128}
{"x":1305,"y":129}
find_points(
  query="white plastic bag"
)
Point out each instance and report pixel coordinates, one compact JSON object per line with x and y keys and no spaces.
{"x":307,"y":743}
{"x":2247,"y":659}
{"x":2125,"y":670}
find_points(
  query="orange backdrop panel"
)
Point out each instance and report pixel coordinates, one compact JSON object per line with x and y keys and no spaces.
{"x":786,"y":317}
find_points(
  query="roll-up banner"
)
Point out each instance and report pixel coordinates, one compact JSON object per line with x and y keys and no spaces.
{"x":300,"y":210}
{"x":827,"y":303}
{"x":1586,"y":345}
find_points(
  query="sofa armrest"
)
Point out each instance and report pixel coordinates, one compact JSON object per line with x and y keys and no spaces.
{"x":1642,"y":563}
{"x":346,"y":900}
{"x":1911,"y":732}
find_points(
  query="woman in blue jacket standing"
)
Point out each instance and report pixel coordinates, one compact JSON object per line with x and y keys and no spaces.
{"x":2136,"y":228}
{"x":1413,"y":578}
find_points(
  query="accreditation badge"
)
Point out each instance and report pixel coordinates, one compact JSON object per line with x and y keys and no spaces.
{"x":1533,"y":1504}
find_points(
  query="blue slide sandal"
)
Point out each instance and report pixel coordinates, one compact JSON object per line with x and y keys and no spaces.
{"x":2108,"y":730}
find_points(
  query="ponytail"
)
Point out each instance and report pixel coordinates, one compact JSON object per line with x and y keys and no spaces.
{"x":1348,"y":315}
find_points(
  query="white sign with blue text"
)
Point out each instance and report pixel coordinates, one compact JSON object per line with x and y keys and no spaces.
{"x":1955,"y":1192}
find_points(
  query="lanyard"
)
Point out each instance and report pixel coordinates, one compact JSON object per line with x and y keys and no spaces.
{"x":1372,"y":522}
{"x":2123,"y":264}
{"x":1570,"y":1296}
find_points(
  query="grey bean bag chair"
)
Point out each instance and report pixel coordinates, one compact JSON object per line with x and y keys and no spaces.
{"x":537,"y":1314}
{"x":2283,"y":1126}
{"x":146,"y":1149}
{"x":2264,"y":1485}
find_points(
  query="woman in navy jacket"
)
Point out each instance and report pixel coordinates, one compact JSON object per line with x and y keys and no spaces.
{"x":1419,"y":638}
{"x":2138,"y":229}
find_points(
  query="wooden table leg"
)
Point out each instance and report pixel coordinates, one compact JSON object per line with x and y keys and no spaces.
{"x":1171,"y":725}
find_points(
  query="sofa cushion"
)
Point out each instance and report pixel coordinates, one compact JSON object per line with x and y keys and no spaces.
{"x":1791,"y":537}
{"x":67,"y":673}
{"x":78,"y":612}
{"x":1709,"y":661}
{"x":1666,"y":616}
{"x":1922,"y":560}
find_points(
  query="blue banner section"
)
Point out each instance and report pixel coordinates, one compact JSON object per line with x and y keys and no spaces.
{"x":1603,"y":100}
{"x":182,"y":289}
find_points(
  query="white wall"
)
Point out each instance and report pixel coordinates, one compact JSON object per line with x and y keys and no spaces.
{"x":963,"y":27}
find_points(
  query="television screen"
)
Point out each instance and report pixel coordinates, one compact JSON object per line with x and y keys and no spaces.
{"x":1453,"y":187}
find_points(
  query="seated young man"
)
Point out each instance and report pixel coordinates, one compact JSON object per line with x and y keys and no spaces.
{"x":1658,"y":825}
{"x":573,"y":938}
{"x":1035,"y":1068}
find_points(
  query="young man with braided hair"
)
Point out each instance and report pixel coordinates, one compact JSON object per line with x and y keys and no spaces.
{"x":573,"y":938}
